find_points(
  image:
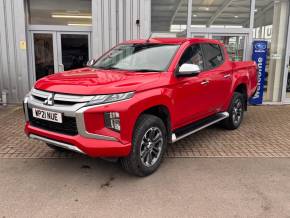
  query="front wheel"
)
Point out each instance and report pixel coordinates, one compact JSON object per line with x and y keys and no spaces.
{"x":148,"y":146}
{"x":236,"y":112}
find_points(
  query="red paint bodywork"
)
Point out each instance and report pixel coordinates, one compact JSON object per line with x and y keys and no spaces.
{"x":184,"y":97}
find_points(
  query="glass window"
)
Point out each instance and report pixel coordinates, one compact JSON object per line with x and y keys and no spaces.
{"x":213,"y":55}
{"x":192,"y":55}
{"x":74,"y":50}
{"x":43,"y":54}
{"x":65,"y":12}
{"x":138,"y":57}
{"x":171,"y":15}
{"x":220,"y":13}
{"x":168,"y":16}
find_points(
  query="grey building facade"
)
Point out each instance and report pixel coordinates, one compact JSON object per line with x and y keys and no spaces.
{"x":40,"y":37}
{"x":24,"y":25}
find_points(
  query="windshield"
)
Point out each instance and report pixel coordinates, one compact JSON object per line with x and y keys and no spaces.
{"x":138,"y":57}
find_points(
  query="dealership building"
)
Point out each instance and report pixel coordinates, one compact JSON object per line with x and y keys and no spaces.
{"x":41,"y":37}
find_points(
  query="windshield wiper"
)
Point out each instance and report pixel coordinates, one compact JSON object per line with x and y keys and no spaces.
{"x":109,"y":68}
{"x":146,"y":70}
{"x":133,"y":70}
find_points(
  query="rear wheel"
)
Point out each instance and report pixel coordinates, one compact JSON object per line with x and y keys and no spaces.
{"x":148,"y":146}
{"x":236,"y":112}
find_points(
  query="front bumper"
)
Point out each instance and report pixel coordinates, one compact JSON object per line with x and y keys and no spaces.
{"x":91,"y":144}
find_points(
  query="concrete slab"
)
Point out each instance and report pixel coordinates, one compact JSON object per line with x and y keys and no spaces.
{"x":183,"y":187}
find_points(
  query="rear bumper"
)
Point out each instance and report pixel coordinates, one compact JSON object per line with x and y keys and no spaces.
{"x":89,"y":146}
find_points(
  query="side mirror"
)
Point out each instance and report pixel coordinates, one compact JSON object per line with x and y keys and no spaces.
{"x":188,"y":70}
{"x":91,"y":62}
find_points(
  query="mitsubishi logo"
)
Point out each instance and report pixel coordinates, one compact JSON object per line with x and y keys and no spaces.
{"x":49,"y":100}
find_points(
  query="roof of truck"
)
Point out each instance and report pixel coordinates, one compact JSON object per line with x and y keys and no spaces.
{"x":173,"y":40}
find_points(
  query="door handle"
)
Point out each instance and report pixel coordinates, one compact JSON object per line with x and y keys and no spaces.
{"x":227,"y":76}
{"x":204,"y":82}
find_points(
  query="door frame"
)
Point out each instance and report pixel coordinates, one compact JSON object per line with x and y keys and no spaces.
{"x":284,"y":98}
{"x":52,"y":29}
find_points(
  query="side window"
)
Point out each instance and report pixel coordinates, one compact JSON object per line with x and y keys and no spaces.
{"x":213,"y":55}
{"x":192,"y":55}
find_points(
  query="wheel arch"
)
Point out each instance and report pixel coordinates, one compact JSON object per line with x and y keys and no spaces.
{"x":161,"y":111}
{"x":242,"y":88}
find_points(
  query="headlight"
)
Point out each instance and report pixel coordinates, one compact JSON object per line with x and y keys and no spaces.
{"x":103,"y":99}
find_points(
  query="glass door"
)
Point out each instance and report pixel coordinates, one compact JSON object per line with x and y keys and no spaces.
{"x":73,"y":50}
{"x":288,"y":83}
{"x":199,"y":35}
{"x":58,"y":51}
{"x":235,"y":45}
{"x":286,"y":77}
{"x":286,"y":90}
{"x":44,"y":54}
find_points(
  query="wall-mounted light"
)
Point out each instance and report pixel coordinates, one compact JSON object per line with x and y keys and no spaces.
{"x":204,"y":8}
{"x":77,"y":16}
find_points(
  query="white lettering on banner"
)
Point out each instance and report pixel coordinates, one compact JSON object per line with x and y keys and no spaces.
{"x":260,"y":64}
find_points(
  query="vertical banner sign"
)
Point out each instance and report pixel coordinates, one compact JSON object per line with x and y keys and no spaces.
{"x":260,"y":57}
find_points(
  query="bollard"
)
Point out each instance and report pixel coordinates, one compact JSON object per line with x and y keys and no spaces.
{"x":4,"y":98}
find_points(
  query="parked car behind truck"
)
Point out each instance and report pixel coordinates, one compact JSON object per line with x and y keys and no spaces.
{"x":138,"y":97}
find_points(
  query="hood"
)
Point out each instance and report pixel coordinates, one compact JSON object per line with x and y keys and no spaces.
{"x":90,"y":81}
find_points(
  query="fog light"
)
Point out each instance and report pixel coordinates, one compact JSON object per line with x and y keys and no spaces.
{"x":112,"y":121}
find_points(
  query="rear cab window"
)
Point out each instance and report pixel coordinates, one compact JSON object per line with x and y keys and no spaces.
{"x":213,"y":55}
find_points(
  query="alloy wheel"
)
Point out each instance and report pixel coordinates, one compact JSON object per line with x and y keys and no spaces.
{"x":237,"y":111}
{"x":151,"y":146}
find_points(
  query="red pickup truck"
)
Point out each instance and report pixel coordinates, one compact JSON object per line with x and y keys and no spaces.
{"x":138,"y":97}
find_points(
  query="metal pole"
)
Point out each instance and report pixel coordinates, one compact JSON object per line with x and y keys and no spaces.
{"x":252,"y":14}
{"x":189,"y":16}
{"x":251,"y":27}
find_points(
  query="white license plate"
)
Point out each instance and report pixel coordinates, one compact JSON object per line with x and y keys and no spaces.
{"x":47,"y":115}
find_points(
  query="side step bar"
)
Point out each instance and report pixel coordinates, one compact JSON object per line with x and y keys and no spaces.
{"x":197,"y":126}
{"x":57,"y":143}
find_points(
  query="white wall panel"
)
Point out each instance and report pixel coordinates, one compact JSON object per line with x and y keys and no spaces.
{"x":120,"y":19}
{"x":13,"y":59}
{"x":114,"y":21}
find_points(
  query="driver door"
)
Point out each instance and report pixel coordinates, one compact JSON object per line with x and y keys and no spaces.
{"x":191,"y":93}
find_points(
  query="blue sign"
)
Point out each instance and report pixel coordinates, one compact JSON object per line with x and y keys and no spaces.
{"x":260,"y":57}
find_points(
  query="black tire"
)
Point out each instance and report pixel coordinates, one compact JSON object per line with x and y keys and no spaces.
{"x":56,"y":148}
{"x":144,"y":130}
{"x":236,"y":112}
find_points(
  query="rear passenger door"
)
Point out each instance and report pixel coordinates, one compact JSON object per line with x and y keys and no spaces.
{"x":219,"y":72}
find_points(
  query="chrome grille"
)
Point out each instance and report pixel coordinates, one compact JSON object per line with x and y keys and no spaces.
{"x":60,"y":99}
